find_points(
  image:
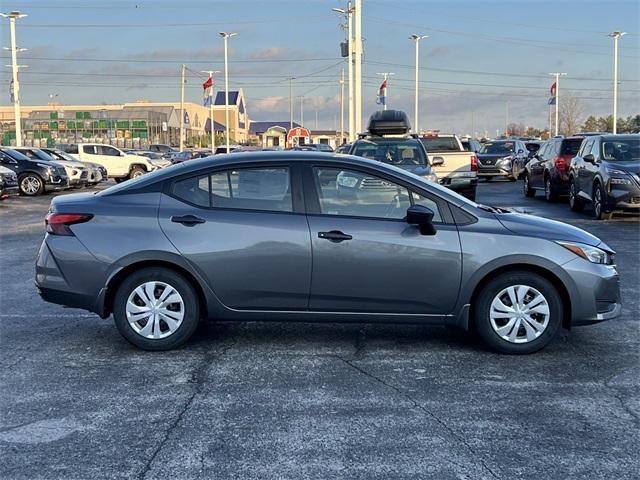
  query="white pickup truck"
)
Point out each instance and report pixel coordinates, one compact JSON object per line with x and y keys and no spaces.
{"x":120,"y":165}
{"x":459,"y":170}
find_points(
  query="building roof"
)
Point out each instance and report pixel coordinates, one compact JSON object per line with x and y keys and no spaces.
{"x":261,"y":127}
{"x":218,"y":126}
{"x":233,"y":97}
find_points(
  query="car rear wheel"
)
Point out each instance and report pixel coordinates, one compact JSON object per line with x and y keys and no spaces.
{"x":526,"y":187}
{"x":31,"y":184}
{"x":518,"y":313}
{"x":156,"y":309}
{"x":550,"y":194}
{"x":575,"y":203}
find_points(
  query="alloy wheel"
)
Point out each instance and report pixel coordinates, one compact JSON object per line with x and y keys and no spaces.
{"x":597,"y":202}
{"x":547,"y":188}
{"x":572,"y":195}
{"x":519,"y":314}
{"x":30,"y":185}
{"x":155,"y":310}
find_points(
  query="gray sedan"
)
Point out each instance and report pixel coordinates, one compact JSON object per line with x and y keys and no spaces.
{"x":258,"y":236}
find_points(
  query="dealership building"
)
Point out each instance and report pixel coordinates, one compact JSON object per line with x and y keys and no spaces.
{"x":128,"y":125}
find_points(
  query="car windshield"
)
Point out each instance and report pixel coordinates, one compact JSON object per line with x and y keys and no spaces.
{"x":440,"y":144}
{"x":62,"y":155}
{"x":42,"y":155}
{"x":501,"y":148}
{"x":627,"y":150}
{"x":570,"y":146}
{"x":392,"y":151}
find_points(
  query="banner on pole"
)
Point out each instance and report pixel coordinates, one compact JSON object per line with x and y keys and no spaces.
{"x":208,"y":92}
{"x":381,"y":99}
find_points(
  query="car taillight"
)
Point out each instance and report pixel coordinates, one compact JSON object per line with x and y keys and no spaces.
{"x":474,"y":163}
{"x":58,"y":223}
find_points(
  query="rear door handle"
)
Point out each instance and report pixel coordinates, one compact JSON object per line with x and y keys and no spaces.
{"x":187,"y":220}
{"x":335,"y":236}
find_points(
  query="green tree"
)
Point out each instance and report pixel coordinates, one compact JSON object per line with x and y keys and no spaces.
{"x":590,"y":124}
{"x":605,"y":124}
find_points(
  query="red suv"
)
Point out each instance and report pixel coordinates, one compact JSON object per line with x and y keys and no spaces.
{"x":549,"y":168}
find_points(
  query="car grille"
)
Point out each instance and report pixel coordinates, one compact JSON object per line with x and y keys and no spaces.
{"x":371,"y":183}
{"x":491,"y":170}
{"x":61,"y":171}
{"x":84,"y":175}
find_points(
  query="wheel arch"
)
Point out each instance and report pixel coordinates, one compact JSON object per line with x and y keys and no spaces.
{"x":547,"y":274}
{"x":141,"y":165}
{"x":118,"y":277}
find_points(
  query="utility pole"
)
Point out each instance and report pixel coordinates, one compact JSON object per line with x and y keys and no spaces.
{"x":301,"y":111}
{"x":506,"y":119}
{"x":615,"y":35}
{"x":557,"y":97}
{"x":348,"y":15}
{"x":416,"y":38}
{"x":358,"y":65}
{"x":472,"y":123}
{"x":15,"y":67}
{"x":385,"y":75}
{"x":182,"y":82}
{"x":341,"y":108}
{"x":226,"y":36}
{"x":290,"y":104}
{"x":212,"y":120}
{"x":316,"y":118}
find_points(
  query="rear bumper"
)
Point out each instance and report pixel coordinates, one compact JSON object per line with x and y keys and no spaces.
{"x":459,"y":183}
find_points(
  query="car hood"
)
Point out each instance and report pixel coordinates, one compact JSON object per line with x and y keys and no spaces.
{"x":533,"y":226}
{"x":70,"y":164}
{"x":632,"y":167}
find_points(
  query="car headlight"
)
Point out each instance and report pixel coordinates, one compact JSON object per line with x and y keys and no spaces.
{"x":505,"y":161}
{"x":592,"y":254}
{"x":618,"y":177}
{"x":345,"y":180}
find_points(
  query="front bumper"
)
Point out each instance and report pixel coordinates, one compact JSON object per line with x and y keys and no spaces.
{"x":494,"y":172}
{"x":56,"y":183}
{"x":10,"y":190}
{"x":624,"y":197}
{"x":595,"y":295}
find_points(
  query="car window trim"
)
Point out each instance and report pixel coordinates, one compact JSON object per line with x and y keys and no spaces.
{"x":312,"y":197}
{"x":295,"y":180}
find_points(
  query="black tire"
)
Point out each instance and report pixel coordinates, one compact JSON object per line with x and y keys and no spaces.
{"x":136,"y":171}
{"x":575,"y":203}
{"x":550,"y":194}
{"x":31,"y":184}
{"x":482,"y":306}
{"x":181,"y":285}
{"x":488,"y":179}
{"x":121,"y":179}
{"x":526,"y":187}
{"x":599,"y":197}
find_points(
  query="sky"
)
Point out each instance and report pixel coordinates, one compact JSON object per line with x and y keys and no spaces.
{"x":482,"y":58}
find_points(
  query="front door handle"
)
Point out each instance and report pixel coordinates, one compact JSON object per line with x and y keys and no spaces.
{"x":334,"y":236}
{"x":187,"y":220}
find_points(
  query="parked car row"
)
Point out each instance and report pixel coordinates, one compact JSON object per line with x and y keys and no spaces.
{"x":602,"y":170}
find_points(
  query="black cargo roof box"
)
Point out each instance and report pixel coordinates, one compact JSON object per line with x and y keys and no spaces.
{"x":389,"y":122}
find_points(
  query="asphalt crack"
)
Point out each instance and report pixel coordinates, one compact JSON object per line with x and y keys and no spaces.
{"x":197,"y":378}
{"x":423,"y":409}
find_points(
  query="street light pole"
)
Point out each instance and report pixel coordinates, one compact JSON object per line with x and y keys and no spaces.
{"x":358,"y":65}
{"x":15,"y":67}
{"x":416,"y":38}
{"x":212,"y":120}
{"x":341,"y":108}
{"x":615,"y":35}
{"x":348,"y":14}
{"x":182,"y":82}
{"x":557,"y":75}
{"x":226,"y":36}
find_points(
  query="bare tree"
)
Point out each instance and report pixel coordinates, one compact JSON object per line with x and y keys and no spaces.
{"x":571,"y":114}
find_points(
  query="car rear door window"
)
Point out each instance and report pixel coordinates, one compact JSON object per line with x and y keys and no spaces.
{"x":90,"y":149}
{"x":110,"y":151}
{"x":267,"y":189}
{"x":570,"y":146}
{"x":359,"y":194}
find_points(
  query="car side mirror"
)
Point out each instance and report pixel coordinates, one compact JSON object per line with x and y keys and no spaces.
{"x":422,"y":217}
{"x":589,"y":158}
{"x":520,"y":152}
{"x":437,"y":161}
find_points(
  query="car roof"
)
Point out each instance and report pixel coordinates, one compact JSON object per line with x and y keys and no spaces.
{"x":621,"y":136}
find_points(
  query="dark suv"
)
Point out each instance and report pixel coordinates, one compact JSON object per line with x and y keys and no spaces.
{"x":606,"y":172}
{"x":34,"y":176}
{"x":548,"y":169}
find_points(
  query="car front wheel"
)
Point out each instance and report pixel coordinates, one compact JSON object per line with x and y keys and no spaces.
{"x":137,"y":172}
{"x":31,"y":184}
{"x":156,"y":309}
{"x":575,"y":203}
{"x":599,"y":197}
{"x":518,"y":313}
{"x":526,"y":187}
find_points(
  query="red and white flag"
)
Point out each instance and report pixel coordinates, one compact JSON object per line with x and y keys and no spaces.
{"x":208,"y":92}
{"x":553,"y":89}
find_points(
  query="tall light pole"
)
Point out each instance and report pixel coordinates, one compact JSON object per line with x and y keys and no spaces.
{"x":12,"y":16}
{"x":615,"y":35}
{"x":348,"y":14}
{"x":557,"y":96}
{"x":341,"y":108}
{"x":212,"y":121}
{"x":416,"y":38}
{"x":226,"y":36}
{"x":182,"y":82}
{"x":358,"y":64}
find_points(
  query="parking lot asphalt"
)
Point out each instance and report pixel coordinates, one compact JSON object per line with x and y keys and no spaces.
{"x":298,"y":401}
